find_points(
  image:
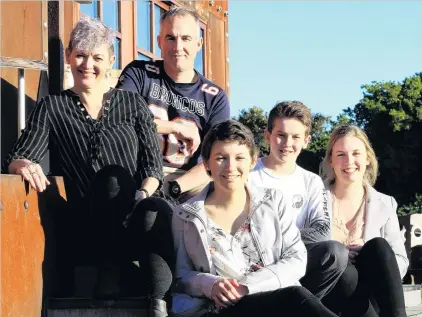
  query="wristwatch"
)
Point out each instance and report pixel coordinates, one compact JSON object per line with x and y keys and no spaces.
{"x":174,"y":189}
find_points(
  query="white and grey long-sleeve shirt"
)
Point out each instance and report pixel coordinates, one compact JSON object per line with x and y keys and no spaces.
{"x":304,"y":195}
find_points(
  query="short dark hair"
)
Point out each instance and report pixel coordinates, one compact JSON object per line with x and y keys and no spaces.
{"x":182,"y":12}
{"x":290,"y":109}
{"x":228,"y":131}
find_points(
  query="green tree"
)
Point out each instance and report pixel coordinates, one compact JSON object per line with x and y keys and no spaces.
{"x":311,"y":157}
{"x":411,"y":208}
{"x":391,"y":115}
{"x":320,"y":132}
{"x":256,"y":119}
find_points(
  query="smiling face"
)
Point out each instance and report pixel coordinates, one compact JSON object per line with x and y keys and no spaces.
{"x":89,"y":68}
{"x":349,"y":160}
{"x":179,"y":43}
{"x":230,"y":164}
{"x":287,"y":139}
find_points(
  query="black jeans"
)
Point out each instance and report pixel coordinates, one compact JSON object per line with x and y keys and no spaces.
{"x":294,"y":301}
{"x":327,"y":261}
{"x":371,"y":287}
{"x":101,"y":238}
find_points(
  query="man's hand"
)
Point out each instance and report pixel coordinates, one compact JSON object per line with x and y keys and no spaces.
{"x":227,"y":292}
{"x":30,"y":172}
{"x":189,"y":135}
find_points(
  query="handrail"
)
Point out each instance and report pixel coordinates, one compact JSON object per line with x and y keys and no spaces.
{"x":21,"y":64}
{"x":17,"y":62}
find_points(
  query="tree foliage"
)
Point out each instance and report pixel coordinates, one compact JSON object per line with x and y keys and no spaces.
{"x":412,"y":208}
{"x":391,"y":115}
{"x":256,"y":119}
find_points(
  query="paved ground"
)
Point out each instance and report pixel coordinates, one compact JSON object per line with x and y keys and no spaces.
{"x":415,"y":311}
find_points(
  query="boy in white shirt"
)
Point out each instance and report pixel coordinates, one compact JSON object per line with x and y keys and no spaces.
{"x":287,"y":133}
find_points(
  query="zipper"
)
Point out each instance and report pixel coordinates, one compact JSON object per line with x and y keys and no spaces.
{"x":200,"y":236}
{"x":196,"y":215}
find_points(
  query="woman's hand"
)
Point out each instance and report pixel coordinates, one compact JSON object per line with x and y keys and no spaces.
{"x":353,"y":252}
{"x":227,"y":292}
{"x":31,"y":172}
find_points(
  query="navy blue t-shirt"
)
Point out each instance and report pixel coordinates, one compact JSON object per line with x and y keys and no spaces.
{"x":202,"y":103}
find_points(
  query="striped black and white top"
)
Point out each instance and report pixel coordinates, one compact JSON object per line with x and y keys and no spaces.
{"x":80,"y":146}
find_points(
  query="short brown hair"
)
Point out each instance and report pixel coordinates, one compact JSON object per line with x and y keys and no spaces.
{"x":228,"y":131}
{"x":290,"y":109}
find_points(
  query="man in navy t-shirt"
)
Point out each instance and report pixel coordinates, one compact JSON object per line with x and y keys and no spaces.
{"x":185,"y":103}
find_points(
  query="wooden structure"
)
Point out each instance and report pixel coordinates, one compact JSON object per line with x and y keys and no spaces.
{"x":24,"y":234}
{"x":35,"y":33}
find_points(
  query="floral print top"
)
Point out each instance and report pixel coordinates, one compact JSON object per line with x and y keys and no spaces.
{"x":234,"y":256}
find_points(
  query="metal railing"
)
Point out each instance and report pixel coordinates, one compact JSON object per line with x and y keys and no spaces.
{"x":21,"y":64}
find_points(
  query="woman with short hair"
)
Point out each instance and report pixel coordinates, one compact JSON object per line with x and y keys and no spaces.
{"x":103,"y":141}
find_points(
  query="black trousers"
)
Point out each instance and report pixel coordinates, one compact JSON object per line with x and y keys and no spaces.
{"x":327,"y":261}
{"x":294,"y":301}
{"x":107,"y":228}
{"x":371,"y":287}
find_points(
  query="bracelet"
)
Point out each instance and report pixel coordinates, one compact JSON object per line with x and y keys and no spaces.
{"x":145,"y":191}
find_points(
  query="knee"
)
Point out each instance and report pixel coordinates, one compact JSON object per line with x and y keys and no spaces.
{"x":377,"y":247}
{"x":334,"y":253}
{"x":154,"y":212}
{"x":113,"y":181}
{"x":294,"y":294}
{"x":155,"y":205}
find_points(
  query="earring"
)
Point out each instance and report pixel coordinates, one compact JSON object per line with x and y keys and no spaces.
{"x":107,"y":74}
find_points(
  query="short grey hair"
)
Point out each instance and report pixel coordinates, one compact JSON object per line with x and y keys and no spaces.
{"x":90,"y":33}
{"x":182,"y":12}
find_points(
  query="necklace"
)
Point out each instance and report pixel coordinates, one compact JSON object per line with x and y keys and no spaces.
{"x":347,"y":232}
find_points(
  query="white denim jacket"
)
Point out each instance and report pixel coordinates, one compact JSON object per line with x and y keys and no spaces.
{"x":275,"y":235}
{"x":381,"y":221}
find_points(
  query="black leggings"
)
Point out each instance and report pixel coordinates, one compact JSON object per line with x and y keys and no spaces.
{"x":371,"y":287}
{"x":293,"y":301}
{"x":101,"y":236}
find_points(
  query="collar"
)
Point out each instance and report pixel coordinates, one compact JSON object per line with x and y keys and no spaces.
{"x":195,"y":207}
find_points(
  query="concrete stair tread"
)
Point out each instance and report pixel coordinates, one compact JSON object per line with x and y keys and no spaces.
{"x":90,"y":303}
{"x":414,"y":311}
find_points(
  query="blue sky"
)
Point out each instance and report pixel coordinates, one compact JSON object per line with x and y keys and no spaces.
{"x":319,"y":52}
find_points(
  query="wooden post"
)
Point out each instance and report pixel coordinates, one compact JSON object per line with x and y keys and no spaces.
{"x":55,"y":46}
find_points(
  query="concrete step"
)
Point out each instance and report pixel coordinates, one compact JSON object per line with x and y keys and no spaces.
{"x":137,"y":307}
{"x":414,"y":311}
{"x":87,"y":307}
{"x":412,"y":295}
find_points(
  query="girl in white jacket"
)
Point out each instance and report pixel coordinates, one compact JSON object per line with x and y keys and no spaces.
{"x":239,"y":252}
{"x":365,"y":221}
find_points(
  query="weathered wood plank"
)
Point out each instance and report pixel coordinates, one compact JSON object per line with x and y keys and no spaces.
{"x":22,"y":247}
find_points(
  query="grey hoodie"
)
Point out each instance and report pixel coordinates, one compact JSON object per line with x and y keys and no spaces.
{"x":274,"y":232}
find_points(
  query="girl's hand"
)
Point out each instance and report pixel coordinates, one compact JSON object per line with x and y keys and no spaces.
{"x":354,"y":252}
{"x":224,"y":293}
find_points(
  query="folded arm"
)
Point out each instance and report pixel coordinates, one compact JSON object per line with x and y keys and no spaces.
{"x":289,"y":268}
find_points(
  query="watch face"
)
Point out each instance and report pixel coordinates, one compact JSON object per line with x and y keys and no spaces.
{"x":175,"y":189}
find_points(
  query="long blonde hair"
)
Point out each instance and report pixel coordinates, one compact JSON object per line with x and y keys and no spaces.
{"x":326,"y":171}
